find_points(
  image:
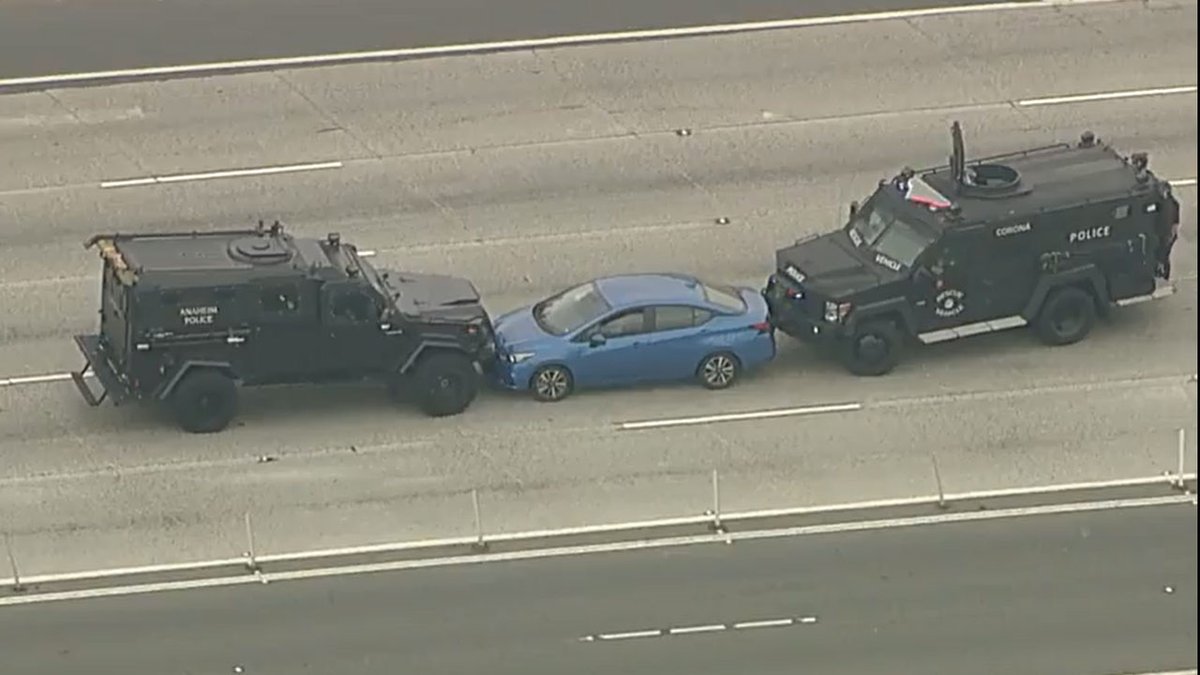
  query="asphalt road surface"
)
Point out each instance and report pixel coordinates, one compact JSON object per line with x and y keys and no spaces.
{"x":44,"y":37}
{"x":1087,"y":594}
{"x":526,"y":172}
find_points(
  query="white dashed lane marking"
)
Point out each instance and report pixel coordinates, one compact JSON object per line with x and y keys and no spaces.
{"x":701,"y":628}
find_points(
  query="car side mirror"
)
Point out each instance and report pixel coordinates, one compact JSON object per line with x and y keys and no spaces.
{"x":598,"y":340}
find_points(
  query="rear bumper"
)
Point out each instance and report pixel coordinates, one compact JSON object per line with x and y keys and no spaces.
{"x":95,"y":360}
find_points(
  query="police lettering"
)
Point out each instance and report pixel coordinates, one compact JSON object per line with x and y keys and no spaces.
{"x":1089,"y":234}
{"x":887,"y":262}
{"x":195,"y":316}
{"x":1012,"y":229}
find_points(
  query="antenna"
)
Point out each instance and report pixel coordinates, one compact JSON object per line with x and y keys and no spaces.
{"x":958,"y":160}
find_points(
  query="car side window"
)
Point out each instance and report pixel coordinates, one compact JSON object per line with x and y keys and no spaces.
{"x":674,"y":317}
{"x":631,"y":322}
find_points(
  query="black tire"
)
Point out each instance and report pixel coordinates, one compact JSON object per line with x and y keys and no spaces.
{"x":873,"y":350}
{"x":205,"y":401}
{"x":719,"y":371}
{"x":551,"y":383}
{"x":445,"y":383}
{"x":1066,"y":317}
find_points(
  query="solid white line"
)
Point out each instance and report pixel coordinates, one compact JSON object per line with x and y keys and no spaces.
{"x":556,"y":41}
{"x":566,"y":551}
{"x":598,"y":529}
{"x":1107,"y":96}
{"x":231,"y":173}
{"x":688,"y":630}
{"x":737,"y":417}
{"x":766,"y":623}
{"x":630,"y":635}
{"x":1185,"y":182}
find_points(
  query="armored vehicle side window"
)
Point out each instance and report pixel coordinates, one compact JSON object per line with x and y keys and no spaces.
{"x":353,"y":306}
{"x":279,"y":299}
{"x":1121,"y":212}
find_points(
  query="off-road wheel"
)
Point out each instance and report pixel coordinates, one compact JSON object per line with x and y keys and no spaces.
{"x":551,"y":383}
{"x":719,"y":370}
{"x":873,"y":350}
{"x":205,"y":401}
{"x":1066,"y":317}
{"x":444,"y":383}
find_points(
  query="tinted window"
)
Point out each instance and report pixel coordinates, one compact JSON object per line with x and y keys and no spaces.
{"x":673,"y":317}
{"x":724,"y":297}
{"x":628,"y":323}
{"x":570,"y":310}
{"x":352,"y":306}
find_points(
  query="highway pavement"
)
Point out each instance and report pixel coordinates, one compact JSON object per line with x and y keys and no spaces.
{"x":526,"y":171}
{"x":1097,"y":593}
{"x":43,"y":37}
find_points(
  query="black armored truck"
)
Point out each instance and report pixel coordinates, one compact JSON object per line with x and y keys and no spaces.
{"x":188,"y":318}
{"x":1048,"y":237}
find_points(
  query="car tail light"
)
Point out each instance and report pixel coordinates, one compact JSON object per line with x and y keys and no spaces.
{"x":762,"y":326}
{"x":792,"y":293}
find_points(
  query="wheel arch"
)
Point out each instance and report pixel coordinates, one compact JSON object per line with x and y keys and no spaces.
{"x":172,"y":383}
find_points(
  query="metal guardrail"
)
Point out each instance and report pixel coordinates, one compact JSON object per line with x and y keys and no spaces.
{"x":713,"y":524}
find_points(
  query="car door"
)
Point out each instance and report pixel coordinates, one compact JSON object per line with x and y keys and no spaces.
{"x":610,"y":350}
{"x":674,"y":346}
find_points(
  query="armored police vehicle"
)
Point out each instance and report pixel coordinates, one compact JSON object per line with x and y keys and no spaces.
{"x":185,"y":319}
{"x":1046,"y":237}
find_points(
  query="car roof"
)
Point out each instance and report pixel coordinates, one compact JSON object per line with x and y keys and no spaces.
{"x":650,"y":288}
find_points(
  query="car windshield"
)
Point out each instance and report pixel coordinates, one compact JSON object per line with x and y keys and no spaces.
{"x":881,"y":230}
{"x":723,"y":296}
{"x":570,"y":310}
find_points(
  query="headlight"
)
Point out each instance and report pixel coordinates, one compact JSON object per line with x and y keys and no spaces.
{"x":836,"y":312}
{"x":519,"y":357}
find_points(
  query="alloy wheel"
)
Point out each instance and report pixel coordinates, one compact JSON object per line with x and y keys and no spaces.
{"x":719,"y":370}
{"x":551,"y":384}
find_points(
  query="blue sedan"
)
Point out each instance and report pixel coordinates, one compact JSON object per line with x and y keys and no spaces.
{"x":632,"y":329}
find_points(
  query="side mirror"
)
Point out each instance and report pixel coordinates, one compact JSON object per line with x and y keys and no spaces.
{"x":597,"y":340}
{"x":853,"y":209}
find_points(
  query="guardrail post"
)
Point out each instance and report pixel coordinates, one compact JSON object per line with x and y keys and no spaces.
{"x":715,"y":512}
{"x":937,"y":476}
{"x":12,"y":562}
{"x":1179,"y":483}
{"x":251,"y":557}
{"x":480,"y":544}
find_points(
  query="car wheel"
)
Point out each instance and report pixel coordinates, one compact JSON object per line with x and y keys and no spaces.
{"x":551,"y":383}
{"x":1066,"y":317}
{"x":445,"y":383}
{"x":719,"y":371}
{"x":873,"y":349}
{"x":205,"y":401}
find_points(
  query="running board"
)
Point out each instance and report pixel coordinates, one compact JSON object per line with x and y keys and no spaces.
{"x":1163,"y":291}
{"x":85,"y":390}
{"x":967,"y":330}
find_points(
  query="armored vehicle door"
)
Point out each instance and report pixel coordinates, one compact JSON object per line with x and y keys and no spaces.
{"x":355,"y":344}
{"x":944,"y":285}
{"x":287,"y":330}
{"x":1004,"y":262}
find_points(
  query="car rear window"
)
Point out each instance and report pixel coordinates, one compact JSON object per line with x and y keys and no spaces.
{"x":725,"y":297}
